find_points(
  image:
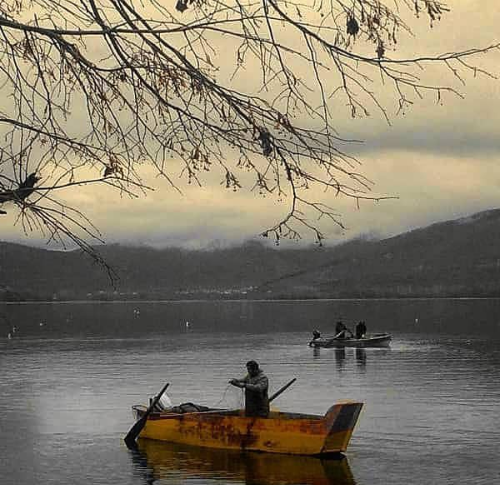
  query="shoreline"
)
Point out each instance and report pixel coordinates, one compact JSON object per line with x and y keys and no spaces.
{"x":241,"y":300}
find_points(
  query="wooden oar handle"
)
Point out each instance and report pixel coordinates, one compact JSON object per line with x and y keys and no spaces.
{"x":136,"y":429}
{"x":283,"y":389}
{"x":156,"y":399}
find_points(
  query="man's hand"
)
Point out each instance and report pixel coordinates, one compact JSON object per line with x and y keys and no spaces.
{"x":237,"y":383}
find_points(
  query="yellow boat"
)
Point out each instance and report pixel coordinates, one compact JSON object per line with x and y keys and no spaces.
{"x":156,"y":460}
{"x":281,"y":432}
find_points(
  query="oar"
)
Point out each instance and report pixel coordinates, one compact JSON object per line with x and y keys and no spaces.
{"x":140,"y":423}
{"x":283,"y":389}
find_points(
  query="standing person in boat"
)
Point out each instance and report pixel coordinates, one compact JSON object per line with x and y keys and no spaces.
{"x":256,"y":387}
{"x":342,"y":331}
{"x":360,"y":329}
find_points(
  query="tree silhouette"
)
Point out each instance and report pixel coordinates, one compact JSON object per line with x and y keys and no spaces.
{"x":94,"y":89}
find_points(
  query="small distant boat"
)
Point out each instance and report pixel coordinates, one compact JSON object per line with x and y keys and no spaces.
{"x":280,"y":432}
{"x":370,"y":340}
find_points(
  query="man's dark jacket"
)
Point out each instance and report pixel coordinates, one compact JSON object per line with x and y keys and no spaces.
{"x":256,"y":396}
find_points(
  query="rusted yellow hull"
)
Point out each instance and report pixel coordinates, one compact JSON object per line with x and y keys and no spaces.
{"x":291,"y":433}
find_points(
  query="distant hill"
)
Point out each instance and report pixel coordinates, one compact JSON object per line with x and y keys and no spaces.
{"x":452,"y":258}
{"x":143,"y":272}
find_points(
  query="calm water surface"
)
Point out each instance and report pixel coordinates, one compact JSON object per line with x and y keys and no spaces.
{"x":71,"y":372}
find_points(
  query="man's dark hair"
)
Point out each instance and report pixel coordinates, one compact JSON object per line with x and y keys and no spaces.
{"x":252,"y":364}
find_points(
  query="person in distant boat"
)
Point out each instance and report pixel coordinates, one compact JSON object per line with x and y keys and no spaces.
{"x":256,"y":386}
{"x":360,"y":329}
{"x":342,"y":331}
{"x":316,"y":336}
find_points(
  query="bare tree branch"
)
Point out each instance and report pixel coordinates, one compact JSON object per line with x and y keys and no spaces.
{"x":97,"y":88}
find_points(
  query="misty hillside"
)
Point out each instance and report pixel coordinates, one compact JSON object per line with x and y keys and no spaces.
{"x":144,"y":272}
{"x":453,"y":258}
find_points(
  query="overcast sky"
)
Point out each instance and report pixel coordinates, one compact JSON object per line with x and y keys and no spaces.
{"x":441,"y":161}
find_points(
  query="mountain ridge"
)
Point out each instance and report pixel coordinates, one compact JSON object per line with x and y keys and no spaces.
{"x":459,"y":257}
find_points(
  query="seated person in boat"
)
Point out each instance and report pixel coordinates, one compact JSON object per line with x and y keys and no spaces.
{"x":316,"y":336}
{"x":256,"y":387}
{"x":342,"y":331}
{"x":360,"y":329}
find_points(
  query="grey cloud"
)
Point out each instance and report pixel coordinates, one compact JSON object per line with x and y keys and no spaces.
{"x":436,"y":139}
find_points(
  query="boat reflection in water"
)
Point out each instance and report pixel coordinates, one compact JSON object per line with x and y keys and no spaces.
{"x":168,"y":463}
{"x":361,"y":357}
{"x":340,"y":356}
{"x":343,"y":356}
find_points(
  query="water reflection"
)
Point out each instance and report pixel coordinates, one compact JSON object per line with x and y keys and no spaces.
{"x":155,"y":461}
{"x":351,"y":358}
{"x":361,"y":358}
{"x":340,"y":357}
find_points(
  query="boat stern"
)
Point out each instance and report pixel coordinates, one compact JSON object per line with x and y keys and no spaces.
{"x":340,"y":421}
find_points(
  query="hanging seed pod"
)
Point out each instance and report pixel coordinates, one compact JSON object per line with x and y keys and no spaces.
{"x":181,"y":5}
{"x":352,"y":25}
{"x":380,"y":50}
{"x":265,"y":142}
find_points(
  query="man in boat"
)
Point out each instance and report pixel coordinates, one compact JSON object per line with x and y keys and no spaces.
{"x":256,"y":387}
{"x":341,"y":331}
{"x":360,"y":329}
{"x":316,"y":336}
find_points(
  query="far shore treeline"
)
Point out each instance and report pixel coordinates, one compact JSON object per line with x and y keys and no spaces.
{"x":459,"y":258}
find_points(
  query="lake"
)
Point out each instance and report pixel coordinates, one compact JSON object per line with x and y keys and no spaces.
{"x":71,"y":372}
